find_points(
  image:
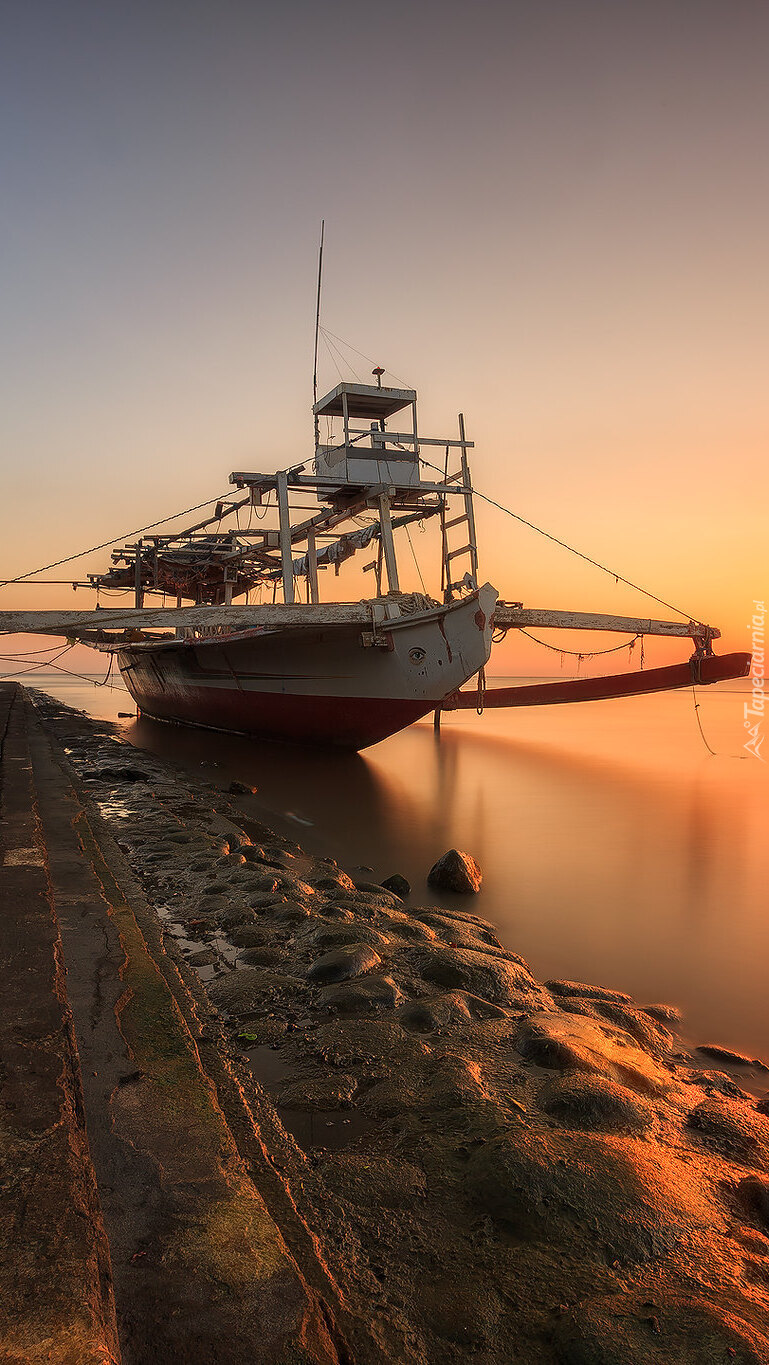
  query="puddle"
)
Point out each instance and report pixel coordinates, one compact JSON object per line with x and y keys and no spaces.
{"x":116,"y":807}
{"x":333,"y":1129}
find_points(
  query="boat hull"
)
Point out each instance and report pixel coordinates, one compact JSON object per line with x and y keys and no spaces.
{"x":329,"y":685}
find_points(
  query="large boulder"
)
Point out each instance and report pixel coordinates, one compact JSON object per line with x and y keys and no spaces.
{"x":456,"y":871}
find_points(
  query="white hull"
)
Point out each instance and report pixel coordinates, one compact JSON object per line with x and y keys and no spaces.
{"x":328,"y":684}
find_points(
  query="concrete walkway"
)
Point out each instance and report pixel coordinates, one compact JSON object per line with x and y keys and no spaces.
{"x":136,"y":1228}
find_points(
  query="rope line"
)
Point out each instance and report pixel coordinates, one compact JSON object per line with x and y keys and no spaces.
{"x":581,"y":653}
{"x":4,"y":583}
{"x":42,"y":663}
{"x":51,"y":663}
{"x":699,"y":722}
{"x":414,"y":557}
{"x":618,"y":577}
{"x":363,"y":356}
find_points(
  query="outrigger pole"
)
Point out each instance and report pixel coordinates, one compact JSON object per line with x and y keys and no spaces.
{"x":130,"y":620}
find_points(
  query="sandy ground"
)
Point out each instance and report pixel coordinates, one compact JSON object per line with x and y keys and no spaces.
{"x":493,"y":1168}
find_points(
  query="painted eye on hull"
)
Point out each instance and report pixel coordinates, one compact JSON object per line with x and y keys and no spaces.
{"x":417,"y":655}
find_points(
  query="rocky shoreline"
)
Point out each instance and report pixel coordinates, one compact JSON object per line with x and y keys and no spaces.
{"x":494,"y":1168}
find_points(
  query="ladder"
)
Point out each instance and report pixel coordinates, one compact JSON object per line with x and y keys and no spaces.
{"x":465,"y":553}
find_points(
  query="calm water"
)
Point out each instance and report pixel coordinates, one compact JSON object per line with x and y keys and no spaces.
{"x":615,"y":849}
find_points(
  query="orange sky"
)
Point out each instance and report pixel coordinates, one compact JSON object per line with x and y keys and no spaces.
{"x":552,"y":217}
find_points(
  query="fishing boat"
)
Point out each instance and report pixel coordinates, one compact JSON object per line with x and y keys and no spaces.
{"x":292,"y":667}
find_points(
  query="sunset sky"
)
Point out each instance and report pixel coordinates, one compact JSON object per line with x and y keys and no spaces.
{"x":552,"y":215}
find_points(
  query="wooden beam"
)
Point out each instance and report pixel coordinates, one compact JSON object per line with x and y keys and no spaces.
{"x":312,"y":567}
{"x":72,"y":623}
{"x":285,"y":538}
{"x":513,"y":617}
{"x":280,"y":615}
{"x":386,"y":533}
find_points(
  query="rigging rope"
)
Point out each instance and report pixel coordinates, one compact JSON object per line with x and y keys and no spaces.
{"x":327,"y":345}
{"x":51,"y":663}
{"x":6,"y":582}
{"x":618,"y":577}
{"x":363,"y":356}
{"x":416,"y":561}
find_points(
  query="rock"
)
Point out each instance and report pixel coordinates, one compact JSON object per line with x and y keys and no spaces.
{"x":264,"y":882}
{"x":398,"y":885}
{"x":752,"y":1195}
{"x":231,"y":861}
{"x":388,"y":1099}
{"x":456,"y":871}
{"x":497,"y":979}
{"x":583,"y":1101}
{"x":573,"y":1043}
{"x":417,"y":1017}
{"x":410,"y":929}
{"x":588,"y":992}
{"x":665,"y":1014}
{"x":348,"y":1042}
{"x":289,"y":913}
{"x":232,"y":917}
{"x":328,"y":936}
{"x":250,"y":936}
{"x":716,"y":1080}
{"x":342,"y":963}
{"x":429,"y":1015}
{"x":457,"y":1084}
{"x":240,"y":789}
{"x":364,"y":996}
{"x":205,"y":958}
{"x":464,"y":934}
{"x":339,"y":882}
{"x":649,"y":1033}
{"x":479,"y":1008}
{"x":581,"y":1190}
{"x":725,"y":1054}
{"x":339,"y":913}
{"x":732,"y":1129}
{"x":250,"y":853}
{"x":121,"y":775}
{"x":263,"y":1032}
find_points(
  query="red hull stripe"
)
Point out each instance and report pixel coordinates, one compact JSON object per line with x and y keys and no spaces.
{"x":716,"y":668}
{"x":351,"y":722}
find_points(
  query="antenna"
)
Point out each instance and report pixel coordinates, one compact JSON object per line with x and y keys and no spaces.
{"x":317,"y":330}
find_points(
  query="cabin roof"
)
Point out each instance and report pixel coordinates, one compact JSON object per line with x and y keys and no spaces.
{"x":364,"y":400}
